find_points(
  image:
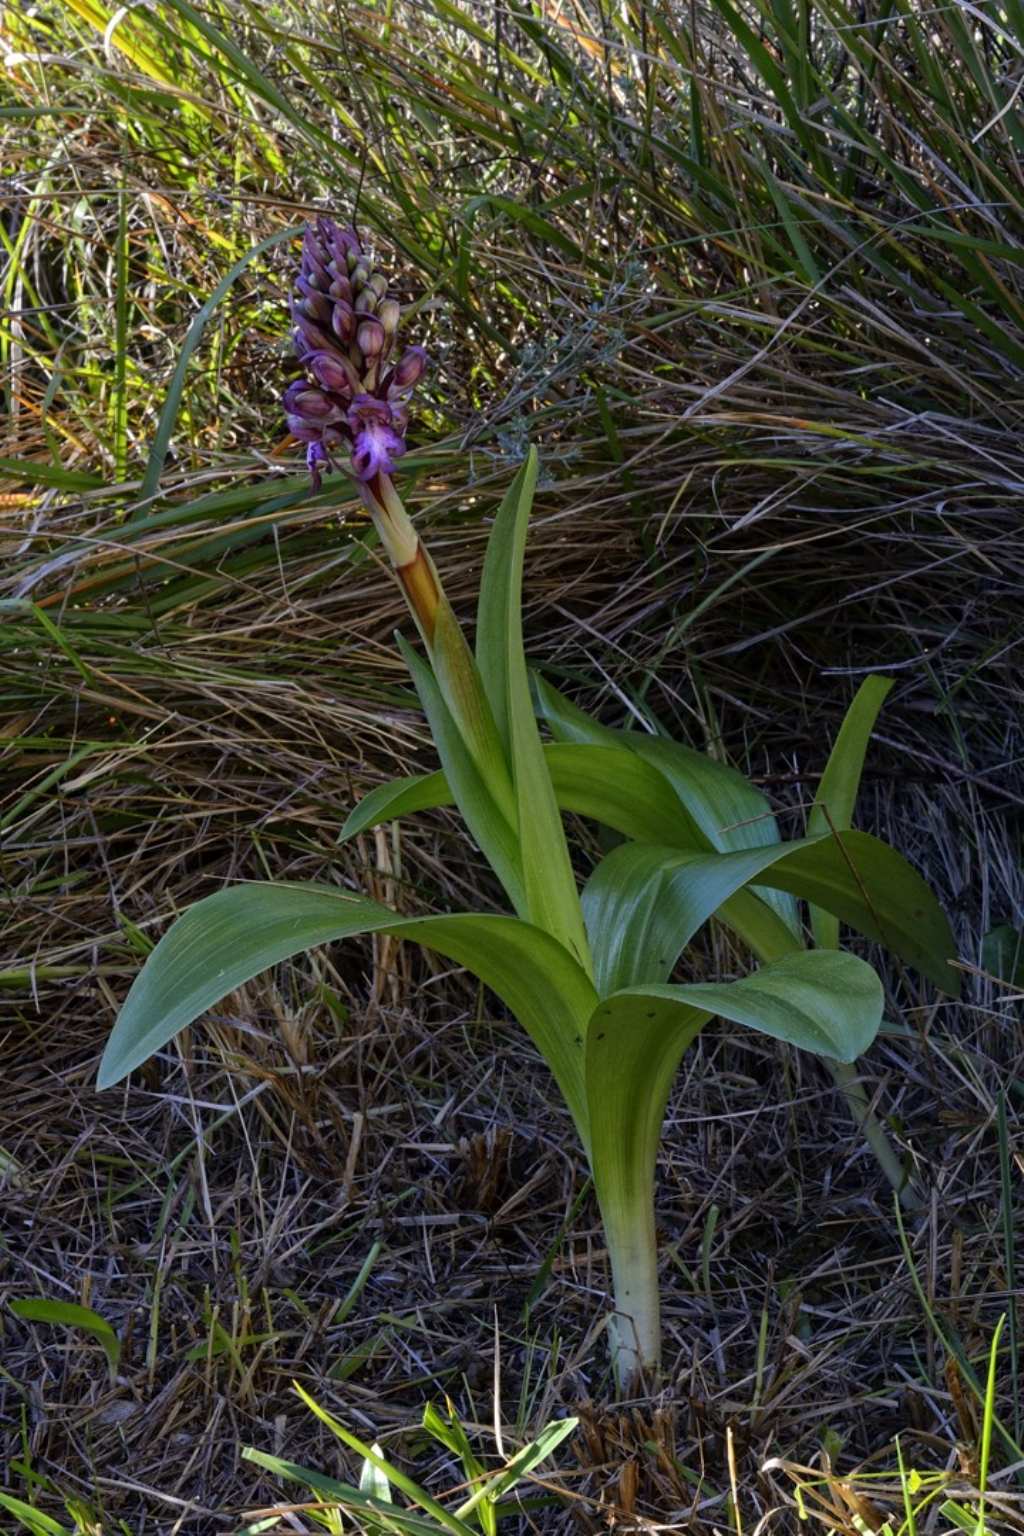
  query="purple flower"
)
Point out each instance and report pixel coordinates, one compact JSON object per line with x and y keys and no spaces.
{"x":353,"y":398}
{"x":377,"y":438}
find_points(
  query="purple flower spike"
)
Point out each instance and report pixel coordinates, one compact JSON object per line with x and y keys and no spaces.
{"x":353,"y":396}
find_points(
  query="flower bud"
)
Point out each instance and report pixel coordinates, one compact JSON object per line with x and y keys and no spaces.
{"x":365,"y":302}
{"x":388,"y":313}
{"x":338,"y":242}
{"x":378,"y":284}
{"x":410,"y":368}
{"x":305,"y":431}
{"x":370,"y":337}
{"x":305,"y":400}
{"x":314,"y":303}
{"x":313,"y":338}
{"x":343,"y":322}
{"x":314,"y":258}
{"x":333,"y":371}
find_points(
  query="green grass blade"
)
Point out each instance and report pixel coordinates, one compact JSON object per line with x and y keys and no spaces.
{"x":67,"y":1314}
{"x":430,"y":1506}
{"x":32,"y":1519}
{"x":378,"y":1515}
{"x":176,"y":389}
{"x":521,"y":1464}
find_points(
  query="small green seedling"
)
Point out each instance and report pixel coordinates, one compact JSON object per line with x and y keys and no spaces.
{"x":373,"y":1503}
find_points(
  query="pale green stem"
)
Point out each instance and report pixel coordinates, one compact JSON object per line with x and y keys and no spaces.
{"x":772,"y":943}
{"x":634,"y":1330}
{"x":849,"y":1085}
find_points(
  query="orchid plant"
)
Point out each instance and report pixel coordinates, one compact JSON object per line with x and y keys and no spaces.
{"x":588,"y":973}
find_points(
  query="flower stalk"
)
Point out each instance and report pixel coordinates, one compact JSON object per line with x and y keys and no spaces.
{"x":352,"y":406}
{"x":405,"y":549}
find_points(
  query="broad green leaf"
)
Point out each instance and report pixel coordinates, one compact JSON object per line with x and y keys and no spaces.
{"x":728,"y":811}
{"x":610,"y":785}
{"x":643,"y":903}
{"x":68,"y":1314}
{"x":567,"y":721}
{"x":227,"y":939}
{"x":482,"y":815}
{"x":552,"y":902}
{"x":400,"y":797}
{"x":823,"y":1001}
{"x":837,"y":793}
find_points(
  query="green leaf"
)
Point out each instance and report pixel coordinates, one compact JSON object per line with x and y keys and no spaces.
{"x":820,"y":1000}
{"x":963,"y":1518}
{"x":791,"y":221}
{"x":728,"y":812}
{"x":1002,"y":954}
{"x":378,"y":1515}
{"x":458,"y":678}
{"x":552,"y":902}
{"x":449,"y":1432}
{"x":837,"y":792}
{"x":644,"y":903}
{"x":521,"y":1464}
{"x":400,"y":1479}
{"x":373,"y":1481}
{"x":400,"y":797}
{"x":481,"y":813}
{"x":227,"y":939}
{"x":610,"y":785}
{"x":68,"y":1314}
{"x":32,"y":1519}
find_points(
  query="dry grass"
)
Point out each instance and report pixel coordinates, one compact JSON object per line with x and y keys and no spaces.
{"x":759,"y":489}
